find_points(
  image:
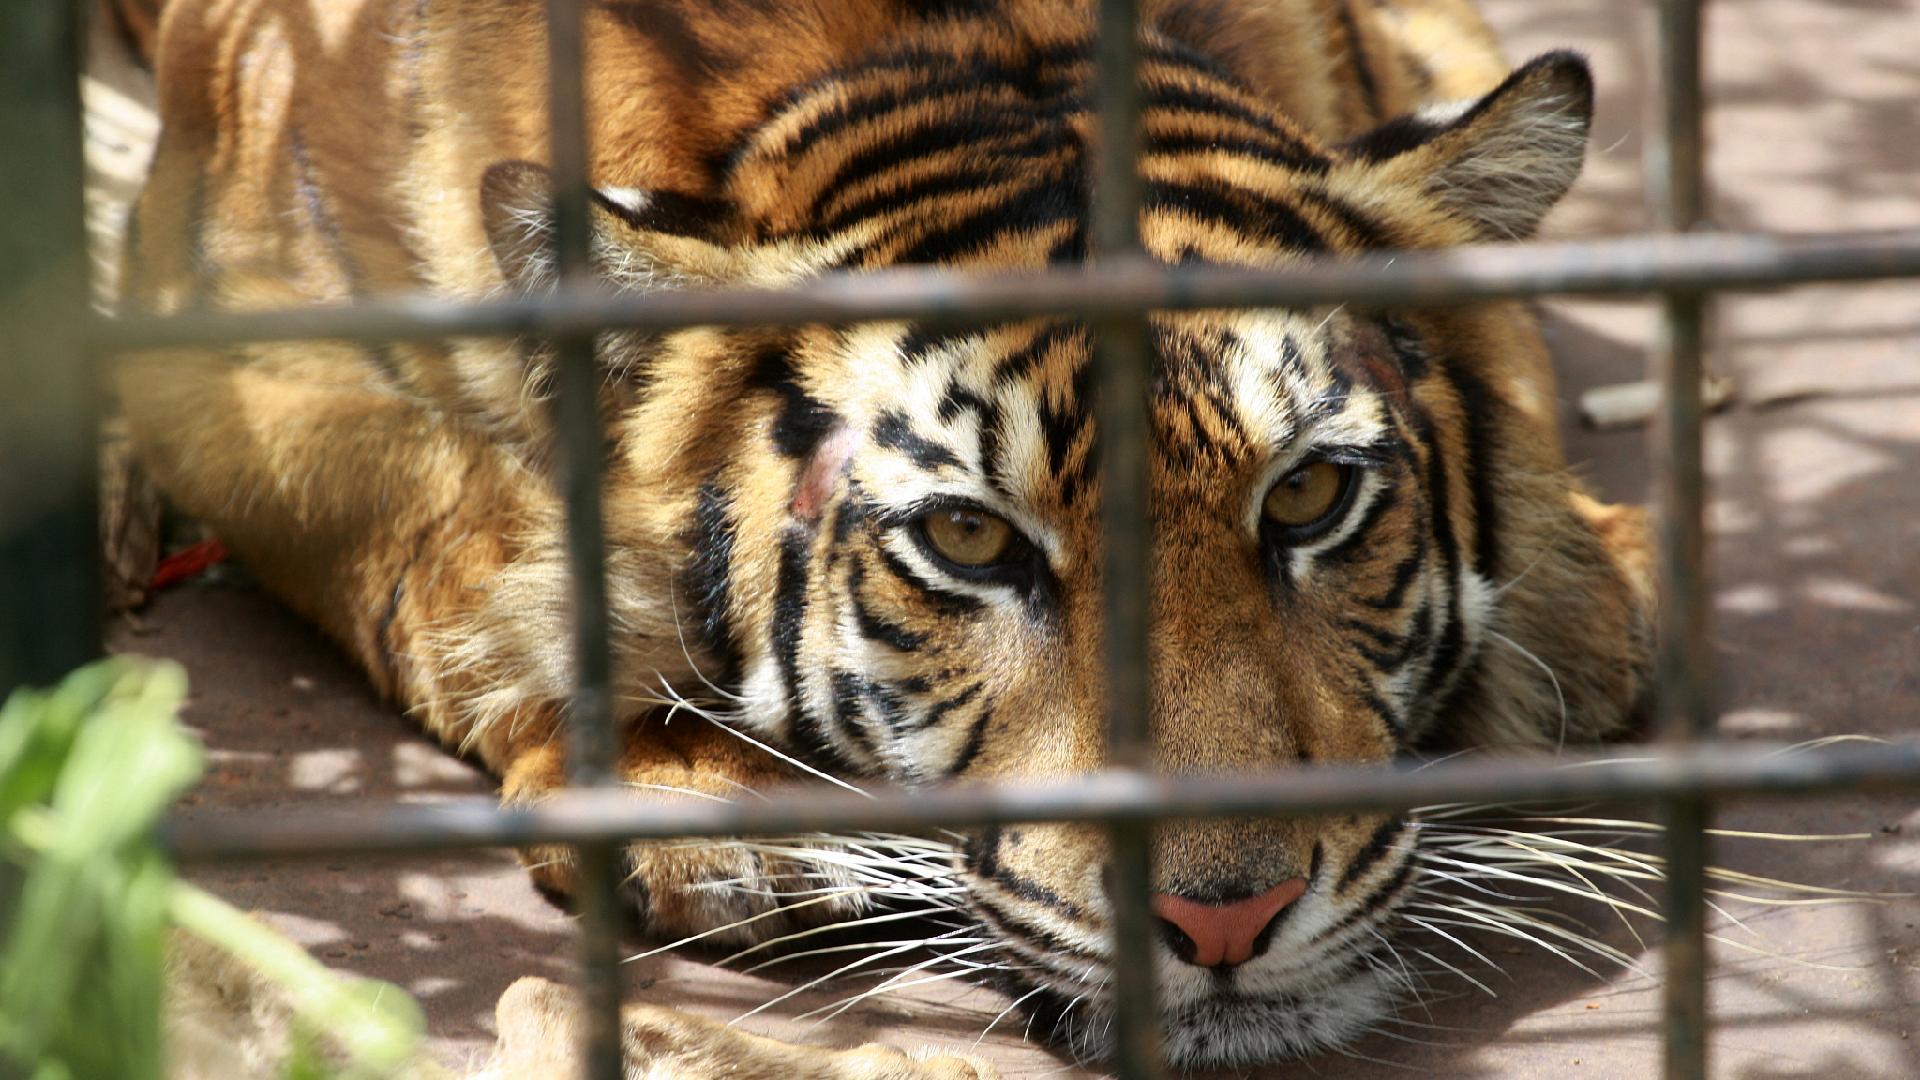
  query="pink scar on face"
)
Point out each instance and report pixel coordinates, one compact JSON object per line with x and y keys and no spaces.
{"x":829,"y":460}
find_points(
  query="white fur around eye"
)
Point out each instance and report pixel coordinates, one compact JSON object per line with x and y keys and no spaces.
{"x":907,"y":550}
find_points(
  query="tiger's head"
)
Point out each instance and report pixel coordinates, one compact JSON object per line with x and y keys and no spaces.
{"x":884,"y":541}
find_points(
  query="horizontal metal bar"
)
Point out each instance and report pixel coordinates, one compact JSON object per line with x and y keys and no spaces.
{"x":1703,"y":770}
{"x":1410,"y":279}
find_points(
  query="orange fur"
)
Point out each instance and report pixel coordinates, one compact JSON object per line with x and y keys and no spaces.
{"x":762,"y":485}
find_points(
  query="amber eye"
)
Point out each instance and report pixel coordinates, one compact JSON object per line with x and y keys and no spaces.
{"x":1308,"y":497}
{"x":967,"y":537}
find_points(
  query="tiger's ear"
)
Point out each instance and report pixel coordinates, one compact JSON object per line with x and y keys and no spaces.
{"x":640,"y":240}
{"x":1503,"y":161}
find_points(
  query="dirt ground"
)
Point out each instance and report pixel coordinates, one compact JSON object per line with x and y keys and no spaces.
{"x":1815,"y":512}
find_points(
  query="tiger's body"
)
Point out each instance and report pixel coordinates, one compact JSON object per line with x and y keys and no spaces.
{"x":793,"y":515}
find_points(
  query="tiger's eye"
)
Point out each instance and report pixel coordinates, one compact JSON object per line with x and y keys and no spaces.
{"x":1306,"y":495}
{"x":967,"y":537}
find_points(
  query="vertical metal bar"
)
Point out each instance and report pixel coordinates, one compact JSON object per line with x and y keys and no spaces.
{"x":49,"y":524}
{"x":1122,"y":374}
{"x":1676,"y":197}
{"x":591,"y":752}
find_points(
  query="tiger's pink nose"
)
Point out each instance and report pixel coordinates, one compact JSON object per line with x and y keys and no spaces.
{"x":1225,"y":934}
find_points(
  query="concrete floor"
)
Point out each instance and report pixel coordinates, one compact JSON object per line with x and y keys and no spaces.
{"x":1816,"y":567}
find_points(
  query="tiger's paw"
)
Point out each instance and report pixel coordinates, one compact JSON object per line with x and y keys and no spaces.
{"x":536,"y":1021}
{"x":727,"y":893}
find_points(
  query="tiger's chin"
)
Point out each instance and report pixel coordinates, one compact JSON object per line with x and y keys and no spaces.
{"x":1228,"y":1028}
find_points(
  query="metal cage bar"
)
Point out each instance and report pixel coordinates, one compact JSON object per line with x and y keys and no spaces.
{"x":1116,"y":290}
{"x":1121,"y":367}
{"x":1704,"y":770}
{"x":591,"y":747}
{"x":49,"y":600}
{"x":1624,"y":266}
{"x":1676,"y":201}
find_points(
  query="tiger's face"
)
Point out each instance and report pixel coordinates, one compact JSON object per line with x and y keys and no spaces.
{"x":899,"y":575}
{"x":1310,"y":603}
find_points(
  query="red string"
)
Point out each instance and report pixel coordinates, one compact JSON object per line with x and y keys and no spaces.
{"x":187,"y":562}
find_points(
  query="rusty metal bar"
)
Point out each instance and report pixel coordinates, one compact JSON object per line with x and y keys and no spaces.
{"x":590,"y":758}
{"x":1676,"y":200}
{"x":1704,"y":770}
{"x":1627,"y":266}
{"x":50,"y":596}
{"x":1122,"y":367}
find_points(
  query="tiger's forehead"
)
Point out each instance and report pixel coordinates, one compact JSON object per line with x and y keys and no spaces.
{"x":1005,"y":417}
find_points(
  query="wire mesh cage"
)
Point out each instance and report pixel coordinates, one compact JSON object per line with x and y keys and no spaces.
{"x":49,"y":502}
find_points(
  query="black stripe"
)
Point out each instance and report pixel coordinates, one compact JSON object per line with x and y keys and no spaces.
{"x":1061,"y":428}
{"x":1350,"y":546}
{"x":673,"y":212}
{"x":976,"y":737}
{"x":1366,"y":231}
{"x":1287,"y":146}
{"x":949,"y":9}
{"x":1061,"y":200}
{"x":1357,"y":54}
{"x":1238,"y":209}
{"x":708,"y":578}
{"x":790,"y":608}
{"x":1372,"y":852}
{"x":891,"y":199}
{"x":872,"y":627}
{"x":1031,"y":78}
{"x":805,"y":731}
{"x":894,"y":432}
{"x":983,"y":857}
{"x":1191,"y":142}
{"x":1018,"y":364}
{"x":940,"y":709}
{"x":1478,"y":419}
{"x":1389,"y":718}
{"x":958,"y":399}
{"x":1011,"y":132}
{"x":1376,"y":899}
{"x":1395,"y":650}
{"x":1040,"y":944}
{"x":947,"y":603}
{"x":1446,"y":656}
{"x":1178,"y":54}
{"x":1408,"y":348}
{"x":1404,"y":574}
{"x":803,"y":420}
{"x":851,"y":694}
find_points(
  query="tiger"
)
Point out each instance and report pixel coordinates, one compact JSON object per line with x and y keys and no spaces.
{"x":870,"y":555}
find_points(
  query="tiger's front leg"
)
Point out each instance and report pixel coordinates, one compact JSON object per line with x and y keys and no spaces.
{"x":729,"y":892}
{"x":538,"y":1023}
